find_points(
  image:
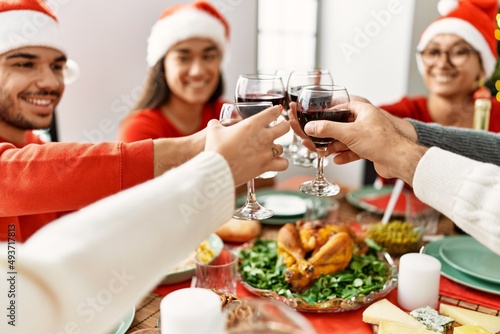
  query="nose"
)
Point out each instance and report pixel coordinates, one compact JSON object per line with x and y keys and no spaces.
{"x":196,"y":67}
{"x":443,"y":59}
{"x":49,"y":79}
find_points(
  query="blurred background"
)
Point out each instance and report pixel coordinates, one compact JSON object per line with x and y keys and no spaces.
{"x":369,"y":46}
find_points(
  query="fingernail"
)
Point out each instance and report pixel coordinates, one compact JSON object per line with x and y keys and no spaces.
{"x":281,"y":107}
{"x":310,"y":128}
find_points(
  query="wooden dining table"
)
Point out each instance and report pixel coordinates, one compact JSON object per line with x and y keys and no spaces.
{"x":147,"y":311}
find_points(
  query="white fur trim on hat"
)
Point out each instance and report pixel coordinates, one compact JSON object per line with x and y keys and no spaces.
{"x":468,"y":32}
{"x":22,"y":28}
{"x":184,"y":24}
{"x":445,"y":7}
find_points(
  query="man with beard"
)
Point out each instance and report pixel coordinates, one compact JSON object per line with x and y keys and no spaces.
{"x":39,"y":183}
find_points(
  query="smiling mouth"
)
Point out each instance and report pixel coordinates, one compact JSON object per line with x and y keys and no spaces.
{"x":38,"y":101}
{"x":442,"y":78}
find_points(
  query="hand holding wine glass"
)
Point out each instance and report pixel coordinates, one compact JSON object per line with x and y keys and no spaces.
{"x":298,"y":79}
{"x":260,"y":88}
{"x":322,"y":102}
{"x":232,"y":113}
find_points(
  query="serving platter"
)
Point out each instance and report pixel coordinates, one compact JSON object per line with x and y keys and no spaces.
{"x":456,"y":275}
{"x":467,"y":255}
{"x":184,"y":270}
{"x":331,"y":305}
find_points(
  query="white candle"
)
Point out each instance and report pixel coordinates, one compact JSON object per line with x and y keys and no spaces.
{"x":418,"y":281}
{"x":189,"y":310}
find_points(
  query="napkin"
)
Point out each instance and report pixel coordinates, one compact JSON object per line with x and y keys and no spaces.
{"x":451,"y":289}
{"x":381,"y":201}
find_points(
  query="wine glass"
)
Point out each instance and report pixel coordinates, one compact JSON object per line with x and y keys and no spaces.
{"x":258,"y":88}
{"x":298,"y":79}
{"x":232,"y":113}
{"x":290,"y":142}
{"x":321,"y":102}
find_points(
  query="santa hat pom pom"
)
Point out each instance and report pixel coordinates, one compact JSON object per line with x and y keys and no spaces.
{"x":447,"y":6}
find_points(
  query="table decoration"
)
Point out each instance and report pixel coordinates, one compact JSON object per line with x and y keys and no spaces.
{"x":418,"y":281}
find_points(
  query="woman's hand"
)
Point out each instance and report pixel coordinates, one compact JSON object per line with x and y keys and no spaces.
{"x":248,"y":146}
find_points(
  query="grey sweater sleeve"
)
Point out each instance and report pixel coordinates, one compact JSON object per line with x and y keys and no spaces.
{"x":475,"y":144}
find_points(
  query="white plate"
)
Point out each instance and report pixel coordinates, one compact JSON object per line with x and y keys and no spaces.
{"x":285,"y":204}
{"x":124,"y":325}
{"x":188,"y":267}
{"x":288,"y":205}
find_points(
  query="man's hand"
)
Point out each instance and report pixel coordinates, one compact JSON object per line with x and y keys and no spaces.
{"x":374,"y":136}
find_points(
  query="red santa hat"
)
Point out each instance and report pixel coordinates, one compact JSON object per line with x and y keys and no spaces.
{"x":28,"y":23}
{"x":184,"y":21}
{"x":472,"y":20}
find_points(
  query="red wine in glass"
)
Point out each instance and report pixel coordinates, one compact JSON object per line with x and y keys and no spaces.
{"x":274,"y":99}
{"x":293,"y":93}
{"x":305,"y":116}
{"x":321,"y":103}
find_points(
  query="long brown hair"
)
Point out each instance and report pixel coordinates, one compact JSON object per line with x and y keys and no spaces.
{"x":156,"y":91}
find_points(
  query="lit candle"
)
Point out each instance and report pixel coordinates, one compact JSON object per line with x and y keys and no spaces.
{"x":418,"y":281}
{"x":189,"y":310}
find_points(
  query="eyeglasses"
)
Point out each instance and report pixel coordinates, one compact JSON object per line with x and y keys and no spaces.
{"x":455,"y":56}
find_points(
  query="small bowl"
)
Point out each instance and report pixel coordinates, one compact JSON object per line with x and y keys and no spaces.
{"x":397,"y":237}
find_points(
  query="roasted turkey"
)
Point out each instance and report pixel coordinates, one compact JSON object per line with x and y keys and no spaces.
{"x":313,"y":249}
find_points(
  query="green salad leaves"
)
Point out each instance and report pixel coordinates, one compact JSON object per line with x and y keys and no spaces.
{"x":262,"y":268}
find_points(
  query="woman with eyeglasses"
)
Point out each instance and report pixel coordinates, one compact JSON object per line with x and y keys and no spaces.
{"x":456,"y":54}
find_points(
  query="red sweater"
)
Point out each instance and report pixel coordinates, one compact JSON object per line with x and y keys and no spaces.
{"x":152,"y":123}
{"x":416,"y":108}
{"x":41,"y":182}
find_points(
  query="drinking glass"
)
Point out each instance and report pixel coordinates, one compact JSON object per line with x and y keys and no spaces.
{"x":298,"y":79}
{"x":290,"y":147}
{"x":232,"y":113}
{"x":260,"y":88}
{"x":251,"y":315}
{"x":321,"y":102}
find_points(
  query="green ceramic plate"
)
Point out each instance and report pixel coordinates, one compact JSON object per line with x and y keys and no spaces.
{"x":288,"y":205}
{"x":188,"y":266}
{"x":456,"y":275}
{"x":467,"y":255}
{"x":124,"y":325}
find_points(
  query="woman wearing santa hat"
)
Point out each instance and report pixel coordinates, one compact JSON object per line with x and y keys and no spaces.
{"x":456,"y":54}
{"x":184,"y":85}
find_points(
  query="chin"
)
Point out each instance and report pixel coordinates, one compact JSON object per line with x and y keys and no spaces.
{"x":198,"y":99}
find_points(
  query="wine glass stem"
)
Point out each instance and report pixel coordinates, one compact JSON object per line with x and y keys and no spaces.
{"x":251,"y":192}
{"x":320,"y":175}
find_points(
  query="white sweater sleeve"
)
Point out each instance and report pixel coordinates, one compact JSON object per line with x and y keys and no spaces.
{"x":465,"y":190}
{"x":84,"y":272}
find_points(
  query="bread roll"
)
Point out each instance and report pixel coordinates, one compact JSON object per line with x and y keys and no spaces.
{"x":239,"y":230}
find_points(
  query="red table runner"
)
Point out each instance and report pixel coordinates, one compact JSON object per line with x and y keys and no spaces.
{"x":458,"y":291}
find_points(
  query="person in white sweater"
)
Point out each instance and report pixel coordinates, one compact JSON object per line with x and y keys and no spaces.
{"x":84,"y":272}
{"x":465,"y":190}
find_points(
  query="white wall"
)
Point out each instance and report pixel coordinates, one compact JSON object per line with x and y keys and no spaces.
{"x":425,"y":13}
{"x":366,"y":45}
{"x":108,"y":40}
